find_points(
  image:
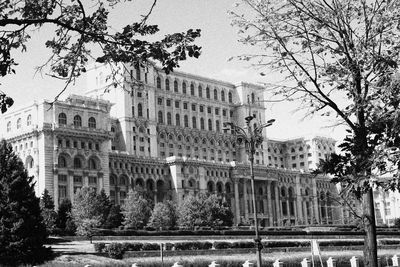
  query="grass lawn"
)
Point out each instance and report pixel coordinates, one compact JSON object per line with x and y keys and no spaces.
{"x":289,"y":259}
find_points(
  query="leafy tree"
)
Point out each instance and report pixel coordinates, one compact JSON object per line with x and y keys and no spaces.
{"x":103,"y":206}
{"x":22,"y":232}
{"x":338,"y":56}
{"x":397,"y":223}
{"x":163,"y":216}
{"x":64,"y":213}
{"x":48,"y":213}
{"x":85,"y":212}
{"x":204,"y":210}
{"x":114,"y":218}
{"x":82,"y":33}
{"x":136,"y":210}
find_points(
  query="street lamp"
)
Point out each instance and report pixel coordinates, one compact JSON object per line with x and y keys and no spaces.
{"x":252,"y":139}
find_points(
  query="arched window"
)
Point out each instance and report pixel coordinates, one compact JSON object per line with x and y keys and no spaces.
{"x":217,"y":128}
{"x":169,"y":119}
{"x":137,"y":68}
{"x":194,"y":123}
{"x":167,"y":84}
{"x":92,"y":164}
{"x":29,"y":162}
{"x":186,"y":120}
{"x":9,"y":126}
{"x":160,"y":117}
{"x":62,"y":119}
{"x":62,"y":162}
{"x":209,"y":125}
{"x":200,"y":91}
{"x":184,"y":87}
{"x":140,"y":110}
{"x":158,"y":81}
{"x":208,"y":93}
{"x":191,"y":89}
{"x":222,"y":95}
{"x":19,"y":123}
{"x":176,"y":86}
{"x":92,"y":122}
{"x":177,"y":120}
{"x":215,"y":94}
{"x":202,"y":123}
{"x":77,"y":163}
{"x":29,"y":120}
{"x":77,"y":121}
{"x":230,"y":97}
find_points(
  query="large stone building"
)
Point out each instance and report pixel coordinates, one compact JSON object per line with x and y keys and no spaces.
{"x":164,"y":134}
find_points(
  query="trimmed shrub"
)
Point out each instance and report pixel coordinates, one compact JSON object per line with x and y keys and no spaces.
{"x":389,"y":242}
{"x":115,"y":250}
{"x":222,"y":245}
{"x":168,"y":246}
{"x":151,"y":246}
{"x":243,"y":244}
{"x":137,"y":246}
{"x":99,"y":247}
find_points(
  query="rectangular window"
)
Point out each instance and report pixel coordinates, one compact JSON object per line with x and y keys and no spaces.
{"x":168,"y":102}
{"x":77,"y":179}
{"x":62,"y":178}
{"x":176,"y":104}
{"x":62,"y":192}
{"x":201,"y":108}
{"x":92,"y":180}
{"x":224,"y":112}
{"x":217,"y":111}
{"x":139,"y":94}
{"x":209,"y":110}
{"x":185,"y":105}
{"x":142,"y":148}
{"x":159,"y":101}
{"x":193,"y":107}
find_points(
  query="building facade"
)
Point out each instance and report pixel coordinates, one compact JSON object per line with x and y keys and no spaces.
{"x":164,"y":134}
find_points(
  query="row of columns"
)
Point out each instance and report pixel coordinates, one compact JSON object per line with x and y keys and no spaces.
{"x":302,"y":209}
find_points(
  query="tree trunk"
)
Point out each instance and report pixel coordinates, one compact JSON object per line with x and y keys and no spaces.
{"x":370,"y":247}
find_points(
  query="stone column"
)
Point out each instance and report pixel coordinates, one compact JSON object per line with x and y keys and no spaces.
{"x":70,"y":186}
{"x":246,"y":207}
{"x":300,"y":216}
{"x":269,"y":203}
{"x":311,"y":207}
{"x":305,"y":217}
{"x":315,"y":200}
{"x":277,"y":205}
{"x":155,"y":196}
{"x":326,"y":212}
{"x":56,"y":194}
{"x":237,"y":202}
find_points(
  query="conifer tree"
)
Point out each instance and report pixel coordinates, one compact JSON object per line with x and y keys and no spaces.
{"x":22,"y":232}
{"x":47,"y":211}
{"x":64,"y":213}
{"x":114,"y":218}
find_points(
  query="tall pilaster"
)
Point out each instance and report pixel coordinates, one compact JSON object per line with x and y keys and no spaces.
{"x":299,"y":198}
{"x":237,"y":202}
{"x":277,"y":205}
{"x":269,"y":203}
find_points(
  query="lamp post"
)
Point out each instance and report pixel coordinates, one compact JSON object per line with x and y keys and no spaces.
{"x":252,"y":139}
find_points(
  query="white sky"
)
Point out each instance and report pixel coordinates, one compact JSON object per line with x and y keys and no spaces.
{"x":218,"y":41}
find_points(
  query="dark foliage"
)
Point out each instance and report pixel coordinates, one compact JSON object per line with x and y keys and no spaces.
{"x":22,"y":232}
{"x":82,"y":33}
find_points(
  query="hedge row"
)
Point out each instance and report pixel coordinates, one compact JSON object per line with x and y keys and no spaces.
{"x":116,"y":250}
{"x":269,"y":232}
